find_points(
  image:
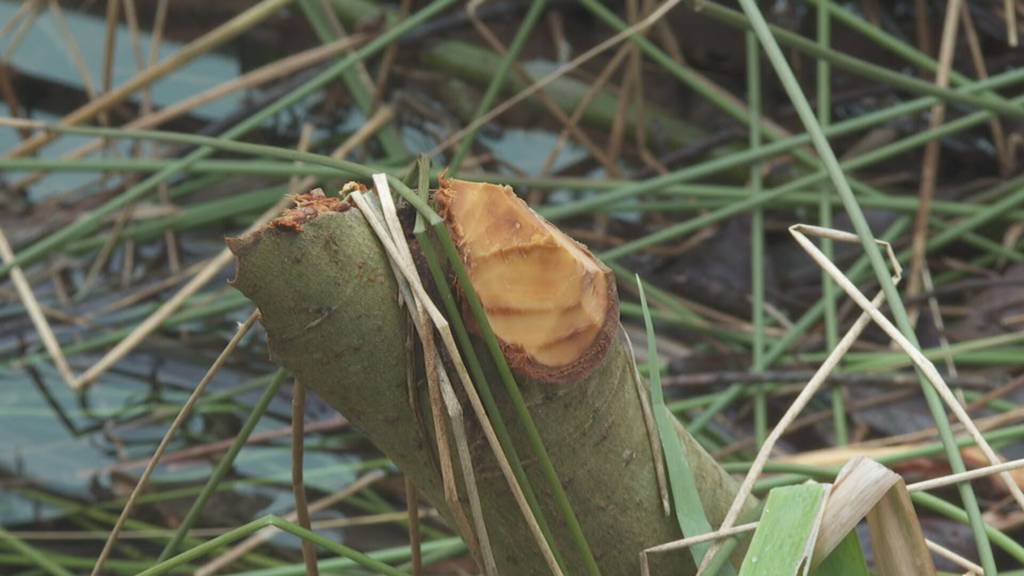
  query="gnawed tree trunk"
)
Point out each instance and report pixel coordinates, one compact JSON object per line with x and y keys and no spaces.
{"x":331,"y":309}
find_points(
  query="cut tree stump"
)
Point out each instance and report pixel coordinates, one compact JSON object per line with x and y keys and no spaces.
{"x":331,"y":310}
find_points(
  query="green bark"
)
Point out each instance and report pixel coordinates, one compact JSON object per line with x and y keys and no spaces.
{"x":331,"y":311}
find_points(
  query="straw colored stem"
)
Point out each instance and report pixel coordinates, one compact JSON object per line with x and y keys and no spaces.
{"x":24,"y":10}
{"x":72,"y":46}
{"x":551,"y":77}
{"x":940,"y":550}
{"x":709,"y":537}
{"x":878,"y":35}
{"x":221,"y":469}
{"x":442,"y":325}
{"x":981,"y":69}
{"x":412,"y":502}
{"x":265,"y":534}
{"x":90,"y":221}
{"x":515,"y":395}
{"x":298,"y":487}
{"x":549,"y":104}
{"x":502,"y":435}
{"x":39,"y":320}
{"x":924,"y":365}
{"x":794,"y":410}
{"x":193,"y":50}
{"x":1010,"y":13}
{"x":387,"y":62}
{"x":24,"y":25}
{"x":966,"y":476}
{"x":930,"y":166}
{"x":593,"y":90}
{"x":110,"y":43}
{"x":151,"y":465}
{"x":404,"y":270}
{"x":207,"y":273}
{"x":860,"y":224}
{"x":652,"y":433}
{"x":357,"y":81}
{"x":278,"y":69}
{"x":526,"y":26}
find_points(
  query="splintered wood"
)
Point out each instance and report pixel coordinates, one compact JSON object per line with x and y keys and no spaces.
{"x":551,"y":303}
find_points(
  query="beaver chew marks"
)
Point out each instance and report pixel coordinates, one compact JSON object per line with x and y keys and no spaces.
{"x":307,"y":207}
{"x":551,"y":303}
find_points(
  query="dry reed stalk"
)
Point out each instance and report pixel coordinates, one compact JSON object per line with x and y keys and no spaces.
{"x":208,"y":272}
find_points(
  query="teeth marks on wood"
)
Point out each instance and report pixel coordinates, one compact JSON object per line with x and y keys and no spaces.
{"x":551,"y":303}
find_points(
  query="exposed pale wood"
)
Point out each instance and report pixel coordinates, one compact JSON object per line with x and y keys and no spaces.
{"x":318,"y":321}
{"x":553,"y":331}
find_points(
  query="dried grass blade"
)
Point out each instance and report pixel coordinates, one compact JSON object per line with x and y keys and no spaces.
{"x":939,"y":550}
{"x":687,"y":542}
{"x":442,"y":397}
{"x":920,"y":361}
{"x":805,"y":396}
{"x":481,"y":391}
{"x":201,"y":45}
{"x":860,"y":485}
{"x":186,"y":409}
{"x":298,"y":485}
{"x":896,"y":536}
{"x":446,"y":336}
{"x":39,"y":320}
{"x":216,"y":264}
{"x":1010,"y":13}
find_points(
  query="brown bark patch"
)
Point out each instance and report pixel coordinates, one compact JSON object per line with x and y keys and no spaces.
{"x":307,"y":207}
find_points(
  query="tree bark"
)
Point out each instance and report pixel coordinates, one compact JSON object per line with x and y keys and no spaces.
{"x":332,"y":314}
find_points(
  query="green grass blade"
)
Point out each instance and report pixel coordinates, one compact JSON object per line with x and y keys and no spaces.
{"x":390,"y":139}
{"x":867,"y":239}
{"x":436,"y":549}
{"x":828,"y":288}
{"x":498,"y":79}
{"x":785,"y":535}
{"x":250,"y":528}
{"x":857,"y":66}
{"x":756,"y":237}
{"x":40,"y":559}
{"x":454,"y":316}
{"x":93,"y":219}
{"x":224,"y":465}
{"x":512,"y":388}
{"x":685,"y":497}
{"x":846,"y":560}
